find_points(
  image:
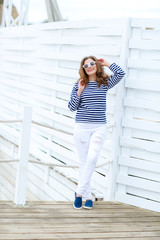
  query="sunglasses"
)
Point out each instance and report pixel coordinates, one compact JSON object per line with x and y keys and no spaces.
{"x":89,"y":64}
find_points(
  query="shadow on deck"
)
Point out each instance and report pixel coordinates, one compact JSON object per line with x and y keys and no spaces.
{"x":58,"y":220}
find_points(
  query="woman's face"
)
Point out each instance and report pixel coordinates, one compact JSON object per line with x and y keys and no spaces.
{"x":90,"y":66}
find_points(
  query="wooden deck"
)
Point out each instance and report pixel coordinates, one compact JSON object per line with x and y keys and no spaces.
{"x":58,"y":220}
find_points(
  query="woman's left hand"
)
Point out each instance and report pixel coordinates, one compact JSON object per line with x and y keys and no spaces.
{"x":104,"y":62}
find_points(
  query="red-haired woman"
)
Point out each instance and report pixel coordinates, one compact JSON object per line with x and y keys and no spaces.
{"x":88,"y":98}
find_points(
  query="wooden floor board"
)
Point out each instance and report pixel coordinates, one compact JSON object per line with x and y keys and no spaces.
{"x":58,"y":220}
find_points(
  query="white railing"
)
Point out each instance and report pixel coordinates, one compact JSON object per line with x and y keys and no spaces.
{"x":22,"y":169}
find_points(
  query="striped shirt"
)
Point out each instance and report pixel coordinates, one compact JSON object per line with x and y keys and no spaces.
{"x":91,"y":105}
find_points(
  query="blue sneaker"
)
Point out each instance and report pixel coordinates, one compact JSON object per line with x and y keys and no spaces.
{"x":88,"y":204}
{"x":78,"y":202}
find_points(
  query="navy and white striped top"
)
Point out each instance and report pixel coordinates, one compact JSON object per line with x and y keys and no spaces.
{"x":91,"y":105}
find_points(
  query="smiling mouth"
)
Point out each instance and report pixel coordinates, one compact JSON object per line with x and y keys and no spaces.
{"x":90,"y":70}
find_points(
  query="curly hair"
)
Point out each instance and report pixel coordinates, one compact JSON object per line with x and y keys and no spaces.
{"x":102,"y":77}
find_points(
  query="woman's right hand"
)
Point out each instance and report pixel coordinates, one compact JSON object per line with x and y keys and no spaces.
{"x":81,"y":87}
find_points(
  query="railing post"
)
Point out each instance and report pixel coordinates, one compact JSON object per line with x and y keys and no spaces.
{"x":21,"y":178}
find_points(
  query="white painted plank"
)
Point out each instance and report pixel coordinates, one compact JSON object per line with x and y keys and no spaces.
{"x":146,"y":114}
{"x":144,"y":44}
{"x":144,"y":155}
{"x":57,"y":71}
{"x":142,"y":103}
{"x":17,"y":71}
{"x":143,"y":64}
{"x":152,"y":196}
{"x":153,"y":23}
{"x":137,"y":201}
{"x":17,"y":59}
{"x":140,"y":144}
{"x":150,"y":33}
{"x":151,"y":85}
{"x":144,"y":174}
{"x":138,"y":182}
{"x":81,"y":41}
{"x":17,"y":48}
{"x":90,"y":23}
{"x":149,"y":126}
{"x":139,"y":164}
{"x":146,"y":135}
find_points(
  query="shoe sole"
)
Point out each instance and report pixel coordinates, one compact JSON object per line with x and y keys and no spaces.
{"x":77,"y":208}
{"x":88,"y":208}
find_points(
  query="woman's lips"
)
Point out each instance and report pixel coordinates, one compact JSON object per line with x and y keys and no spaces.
{"x":90,"y":70}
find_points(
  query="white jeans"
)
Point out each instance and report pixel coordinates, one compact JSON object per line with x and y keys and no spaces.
{"x":89,"y":139}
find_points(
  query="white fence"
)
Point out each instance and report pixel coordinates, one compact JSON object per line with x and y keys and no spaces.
{"x":38,"y":67}
{"x":138,"y":169}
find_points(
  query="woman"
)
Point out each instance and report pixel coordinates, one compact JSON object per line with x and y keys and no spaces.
{"x":88,"y":98}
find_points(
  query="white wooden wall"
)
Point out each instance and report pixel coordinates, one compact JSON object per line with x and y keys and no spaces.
{"x":39,"y":65}
{"x":138,"y":168}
